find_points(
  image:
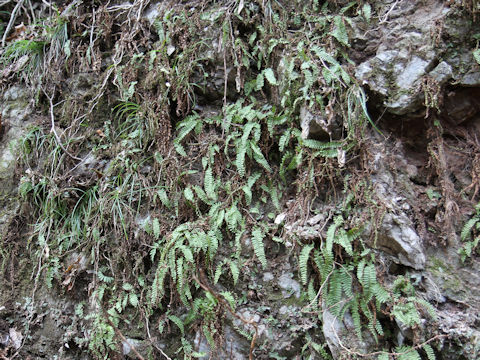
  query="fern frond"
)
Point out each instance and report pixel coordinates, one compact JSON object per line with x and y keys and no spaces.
{"x":343,"y":240}
{"x":270,"y":76}
{"x":468,"y":227}
{"x":259,"y":81}
{"x":257,"y":242}
{"x":303,"y":262}
{"x":187,"y":253}
{"x":407,"y":353}
{"x":230,"y":299}
{"x":186,"y":126}
{"x":218,"y":273}
{"x":429,"y":307}
{"x":202,"y":195}
{"x":176,"y":320}
{"x":156,"y":228}
{"x":234,"y":270}
{"x":429,"y":351}
{"x":209,"y":184}
{"x":321,"y":145}
{"x":212,"y":238}
{"x":179,"y":149}
{"x":284,"y":140}
{"x":259,"y":158}
{"x":162,"y":195}
{"x":188,"y":193}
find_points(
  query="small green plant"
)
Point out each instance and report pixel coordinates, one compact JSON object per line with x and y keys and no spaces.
{"x":29,"y":52}
{"x":470,"y":235}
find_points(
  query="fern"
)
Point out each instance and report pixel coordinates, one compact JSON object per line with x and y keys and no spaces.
{"x":229,"y":298}
{"x":303,"y":261}
{"x":340,"y":31}
{"x":209,"y":184}
{"x":467,"y":228}
{"x":259,"y":81}
{"x":247,"y":188}
{"x":218,"y":273}
{"x":284,"y":140}
{"x":258,"y":156}
{"x":407,"y":353}
{"x":429,"y":307}
{"x":188,"y":193}
{"x":234,"y":271}
{"x":156,"y":228}
{"x":202,"y":195}
{"x":176,"y":320}
{"x":270,"y":76}
{"x":257,"y":242}
{"x":186,"y":126}
{"x":429,"y":351}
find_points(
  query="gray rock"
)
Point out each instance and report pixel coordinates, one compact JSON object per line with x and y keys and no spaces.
{"x":341,"y":334}
{"x":396,"y":76}
{"x":398,"y":238}
{"x":407,"y":46}
{"x":471,"y":79}
{"x":442,"y":73}
{"x":288,"y":285}
{"x":313,"y":126}
{"x":268,"y":276}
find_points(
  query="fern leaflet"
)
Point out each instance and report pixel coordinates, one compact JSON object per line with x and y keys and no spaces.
{"x":257,"y":242}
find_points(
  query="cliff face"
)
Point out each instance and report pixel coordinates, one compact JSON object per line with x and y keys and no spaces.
{"x":240,"y":179}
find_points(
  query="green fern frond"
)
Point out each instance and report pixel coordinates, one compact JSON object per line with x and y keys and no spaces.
{"x":340,"y":31}
{"x":209,"y":184}
{"x":176,"y":320}
{"x":188,"y":193}
{"x":218,"y":273}
{"x":429,"y":307}
{"x":156,"y":228}
{"x":235,"y":271}
{"x":343,"y":239}
{"x":284,"y":140}
{"x":230,"y":299}
{"x":303,"y":262}
{"x":429,"y":351}
{"x":407,"y":353}
{"x":259,"y":81}
{"x":467,"y":228}
{"x":187,"y":253}
{"x":257,"y":242}
{"x":186,"y":126}
{"x":202,"y":195}
{"x":381,"y":295}
{"x":270,"y":76}
{"x":259,"y":158}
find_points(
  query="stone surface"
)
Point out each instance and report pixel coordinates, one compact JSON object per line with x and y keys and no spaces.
{"x":398,"y":237}
{"x":408,"y":47}
{"x":341,"y":335}
{"x":289,"y":285}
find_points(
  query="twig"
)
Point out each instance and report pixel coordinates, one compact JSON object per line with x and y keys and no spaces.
{"x":152,"y":342}
{"x":205,"y":287}
{"x":319,"y":292}
{"x":4,"y":2}
{"x":385,"y":17}
{"x":119,"y":333}
{"x":52,"y":129}
{"x":11,"y":22}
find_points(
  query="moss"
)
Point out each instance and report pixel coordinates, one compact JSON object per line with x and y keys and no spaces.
{"x":451,"y":282}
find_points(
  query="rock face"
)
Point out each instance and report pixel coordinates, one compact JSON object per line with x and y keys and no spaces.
{"x":409,"y":47}
{"x":398,"y":238}
{"x":211,"y":139}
